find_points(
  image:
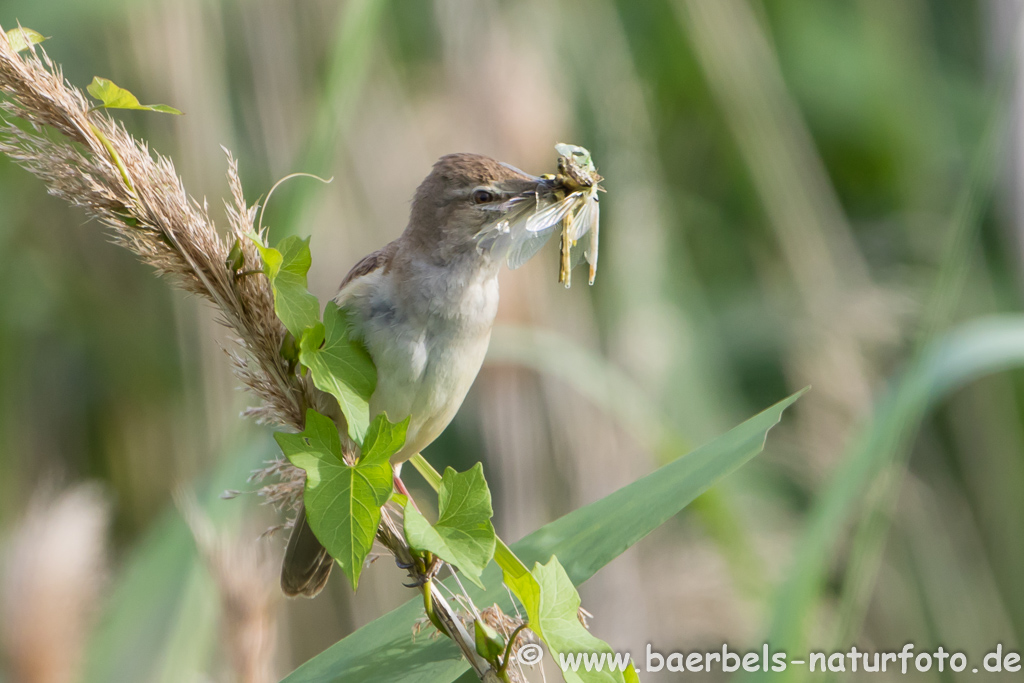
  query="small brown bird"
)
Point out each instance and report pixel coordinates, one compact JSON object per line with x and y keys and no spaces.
{"x":424,"y":306}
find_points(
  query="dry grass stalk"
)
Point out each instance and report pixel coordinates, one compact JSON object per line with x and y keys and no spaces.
{"x":55,"y":566}
{"x":140,"y":197}
{"x":247,"y":584}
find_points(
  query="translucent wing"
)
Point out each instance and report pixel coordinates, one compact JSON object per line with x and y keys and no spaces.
{"x":526,"y":245}
{"x":576,"y":255}
{"x":497,"y":234}
{"x":551,"y":216}
{"x":514,"y":206}
{"x":585,"y":218}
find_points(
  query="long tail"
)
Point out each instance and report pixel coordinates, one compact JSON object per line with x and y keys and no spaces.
{"x":307,"y":565}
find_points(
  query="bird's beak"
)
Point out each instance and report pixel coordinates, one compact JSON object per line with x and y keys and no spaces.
{"x":544,"y":187}
{"x":541,"y":186}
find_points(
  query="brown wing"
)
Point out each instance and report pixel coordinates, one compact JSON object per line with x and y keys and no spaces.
{"x":377,"y":260}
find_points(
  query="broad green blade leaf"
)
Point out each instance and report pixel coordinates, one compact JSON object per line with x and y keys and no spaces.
{"x":342,"y":502}
{"x":463,"y":535}
{"x":552,"y":607}
{"x":591,"y":537}
{"x":585,"y":540}
{"x":23,"y":38}
{"x":966,"y":354}
{"x":114,"y":97}
{"x":286,"y":267}
{"x":340,"y":366}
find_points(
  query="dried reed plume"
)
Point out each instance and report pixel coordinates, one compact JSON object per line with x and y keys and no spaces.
{"x":140,"y":197}
{"x":55,"y":566}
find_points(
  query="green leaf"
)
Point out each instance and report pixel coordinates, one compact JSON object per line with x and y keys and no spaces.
{"x":552,"y":606}
{"x":114,"y":97}
{"x":235,"y":258}
{"x":585,"y":540}
{"x":23,"y":38}
{"x":384,"y":438}
{"x":286,"y":267}
{"x":342,"y":502}
{"x":340,"y":366}
{"x":463,"y":535}
{"x":489,"y":643}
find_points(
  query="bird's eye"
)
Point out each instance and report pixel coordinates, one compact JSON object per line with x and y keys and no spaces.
{"x":483,"y":196}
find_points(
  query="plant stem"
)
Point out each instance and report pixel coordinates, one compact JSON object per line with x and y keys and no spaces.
{"x":508,"y":650}
{"x":428,"y":607}
{"x":114,"y":156}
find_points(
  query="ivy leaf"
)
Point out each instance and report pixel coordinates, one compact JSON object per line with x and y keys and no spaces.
{"x":552,"y":607}
{"x":114,"y":97}
{"x":23,"y":38}
{"x":463,"y":535}
{"x":286,"y":267}
{"x":341,"y":366}
{"x":384,"y":438}
{"x":342,"y":501}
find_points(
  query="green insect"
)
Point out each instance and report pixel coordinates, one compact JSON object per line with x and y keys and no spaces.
{"x":574,"y":214}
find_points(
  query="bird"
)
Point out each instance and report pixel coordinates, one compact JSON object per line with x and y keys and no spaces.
{"x":424,"y":306}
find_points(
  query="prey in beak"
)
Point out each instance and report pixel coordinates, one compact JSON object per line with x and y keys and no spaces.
{"x":564,"y":203}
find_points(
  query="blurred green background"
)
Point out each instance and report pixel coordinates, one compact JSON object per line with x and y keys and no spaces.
{"x":800,"y":192}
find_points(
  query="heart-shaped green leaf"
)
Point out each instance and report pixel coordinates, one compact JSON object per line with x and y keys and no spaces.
{"x":463,"y":535}
{"x":23,"y":38}
{"x":286,"y":267}
{"x":341,"y":366}
{"x":114,"y":97}
{"x":552,"y":607}
{"x":343,"y":501}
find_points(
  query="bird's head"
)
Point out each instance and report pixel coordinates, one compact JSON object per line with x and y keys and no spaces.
{"x":464,"y":195}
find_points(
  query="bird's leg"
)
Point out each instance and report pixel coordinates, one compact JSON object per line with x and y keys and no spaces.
{"x":401,"y":488}
{"x":399,"y":485}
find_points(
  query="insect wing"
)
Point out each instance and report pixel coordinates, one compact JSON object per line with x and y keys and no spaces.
{"x":526,"y":245}
{"x":585,"y":218}
{"x":552,"y":215}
